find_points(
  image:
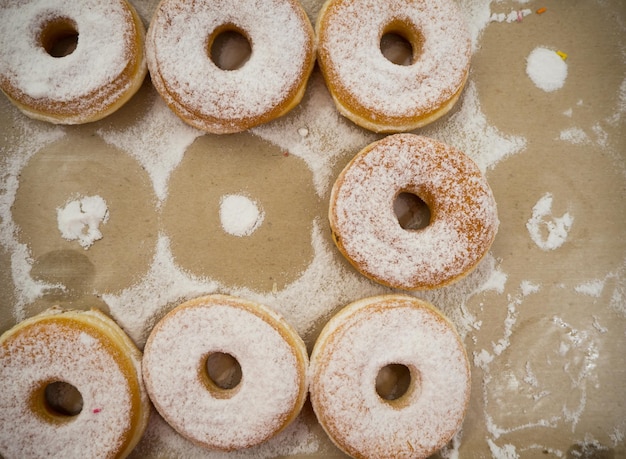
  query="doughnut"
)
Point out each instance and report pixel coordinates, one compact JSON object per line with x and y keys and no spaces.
{"x":463,"y":215}
{"x":83,"y":359}
{"x":370,"y":89}
{"x":259,"y":380}
{"x":352,"y":368}
{"x":70,"y":63}
{"x":179,"y":48}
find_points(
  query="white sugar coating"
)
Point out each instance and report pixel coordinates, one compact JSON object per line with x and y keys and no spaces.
{"x":102,"y":49}
{"x":260,"y":404}
{"x":177,"y":39}
{"x":350,"y":352}
{"x":546,"y":69}
{"x":80,"y":219}
{"x":547,"y":231}
{"x":57,"y":352}
{"x":349,"y":34}
{"x":240,"y":215}
{"x":158,"y":141}
{"x":464,"y":217}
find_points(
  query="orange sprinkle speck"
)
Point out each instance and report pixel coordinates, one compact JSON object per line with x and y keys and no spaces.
{"x":542,"y":10}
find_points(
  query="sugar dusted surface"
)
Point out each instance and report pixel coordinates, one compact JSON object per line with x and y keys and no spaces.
{"x":56,"y":352}
{"x":263,"y":399}
{"x":489,"y":126}
{"x":350,"y":51}
{"x":463,"y":212}
{"x":352,"y":349}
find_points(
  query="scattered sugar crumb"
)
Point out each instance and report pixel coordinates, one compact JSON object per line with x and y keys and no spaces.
{"x":505,"y":452}
{"x":80,"y":220}
{"x":528,"y":288}
{"x":602,"y":137}
{"x":569,"y":112}
{"x":240,"y":215}
{"x":574,"y":135}
{"x":546,"y":69}
{"x":597,"y":326}
{"x":496,"y":282}
{"x":542,"y":220}
{"x":512,"y":16}
{"x":483,"y":358}
{"x":530,"y":378}
{"x":592,"y":288}
{"x":620,"y":110}
{"x":303,"y":132}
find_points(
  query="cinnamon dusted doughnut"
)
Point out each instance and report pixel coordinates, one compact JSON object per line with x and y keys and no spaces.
{"x":463,"y":216}
{"x":376,"y":93}
{"x":70,"y":63}
{"x":224,"y":372}
{"x":356,"y":353}
{"x":183,"y":70}
{"x":70,"y":386}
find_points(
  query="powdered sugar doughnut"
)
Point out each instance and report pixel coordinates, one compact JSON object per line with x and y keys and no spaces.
{"x":268,"y":85}
{"x":376,"y":93}
{"x":60,"y":349}
{"x":96,"y":78}
{"x":351,"y":357}
{"x":241,"y":413}
{"x":463,"y":215}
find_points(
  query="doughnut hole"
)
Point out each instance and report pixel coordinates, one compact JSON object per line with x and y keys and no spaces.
{"x":397,"y":383}
{"x":229,"y":47}
{"x":59,"y":37}
{"x":57,"y":401}
{"x":401,"y":43}
{"x":412,"y":212}
{"x":221,"y":374}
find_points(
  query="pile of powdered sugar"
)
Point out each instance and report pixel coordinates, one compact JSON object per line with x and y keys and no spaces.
{"x":80,"y":219}
{"x":240,"y":215}
{"x":546,"y":69}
